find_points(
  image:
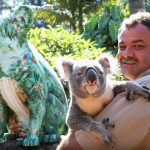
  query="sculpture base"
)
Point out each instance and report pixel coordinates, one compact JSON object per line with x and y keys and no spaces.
{"x":11,"y":145}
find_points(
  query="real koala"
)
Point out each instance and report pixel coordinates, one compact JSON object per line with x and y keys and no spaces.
{"x":91,"y":90}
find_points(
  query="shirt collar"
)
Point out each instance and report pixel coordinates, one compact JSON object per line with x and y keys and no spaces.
{"x":146,"y":72}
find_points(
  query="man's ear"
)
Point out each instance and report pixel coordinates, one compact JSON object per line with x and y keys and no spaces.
{"x":23,"y":17}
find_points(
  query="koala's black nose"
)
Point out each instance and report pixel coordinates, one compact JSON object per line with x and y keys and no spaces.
{"x":91,"y":74}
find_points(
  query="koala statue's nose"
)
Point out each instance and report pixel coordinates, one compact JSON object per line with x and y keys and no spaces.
{"x":91,"y":74}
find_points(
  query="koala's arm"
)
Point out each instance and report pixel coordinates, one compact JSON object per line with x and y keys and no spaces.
{"x":130,"y":88}
{"x":79,"y":120}
{"x":76,"y":118}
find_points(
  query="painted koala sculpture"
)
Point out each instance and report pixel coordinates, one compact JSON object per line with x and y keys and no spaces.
{"x":33,"y":104}
{"x":91,"y":90}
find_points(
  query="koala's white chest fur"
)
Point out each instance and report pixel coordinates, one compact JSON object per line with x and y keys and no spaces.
{"x":93,"y":105}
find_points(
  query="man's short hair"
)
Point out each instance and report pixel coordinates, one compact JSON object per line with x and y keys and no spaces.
{"x":137,"y":18}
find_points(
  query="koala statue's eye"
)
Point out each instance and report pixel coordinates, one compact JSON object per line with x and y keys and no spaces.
{"x":13,"y":20}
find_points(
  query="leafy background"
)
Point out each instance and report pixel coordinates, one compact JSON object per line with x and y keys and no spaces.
{"x":74,"y":28}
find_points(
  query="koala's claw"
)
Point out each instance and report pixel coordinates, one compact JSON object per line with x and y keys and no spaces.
{"x":108,"y":139}
{"x":145,"y":87}
{"x":148,"y":91}
{"x":129,"y":95}
{"x":105,"y":120}
{"x":140,"y":90}
{"x":107,"y":123}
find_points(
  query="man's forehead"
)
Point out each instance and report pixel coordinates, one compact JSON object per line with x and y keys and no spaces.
{"x":139,"y":30}
{"x":132,"y":36}
{"x":132,"y":40}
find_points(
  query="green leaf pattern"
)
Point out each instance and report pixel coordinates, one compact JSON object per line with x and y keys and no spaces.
{"x":46,"y":99}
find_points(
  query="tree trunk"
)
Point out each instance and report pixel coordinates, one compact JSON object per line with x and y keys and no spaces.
{"x":80,"y":16}
{"x":136,"y":6}
{"x":72,"y":21}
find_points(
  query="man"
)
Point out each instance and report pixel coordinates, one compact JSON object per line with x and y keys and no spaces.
{"x":131,"y":119}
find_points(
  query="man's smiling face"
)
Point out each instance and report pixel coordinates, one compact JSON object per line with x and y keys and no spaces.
{"x":134,"y":50}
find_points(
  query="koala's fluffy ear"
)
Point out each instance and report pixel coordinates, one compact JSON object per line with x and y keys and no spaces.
{"x":23,"y":17}
{"x":109,"y":63}
{"x":65,"y":68}
{"x":105,"y":64}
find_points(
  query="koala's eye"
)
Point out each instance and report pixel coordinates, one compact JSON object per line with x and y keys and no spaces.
{"x":79,"y":73}
{"x":22,"y":20}
{"x":100,"y":72}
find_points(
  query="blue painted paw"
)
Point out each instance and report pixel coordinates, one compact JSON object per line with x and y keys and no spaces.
{"x":2,"y":140}
{"x":31,"y":140}
{"x":50,"y":138}
{"x":20,"y":141}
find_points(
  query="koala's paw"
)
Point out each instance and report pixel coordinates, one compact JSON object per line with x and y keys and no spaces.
{"x":31,"y":140}
{"x":107,"y":137}
{"x":2,"y":140}
{"x":49,"y":138}
{"x":107,"y":123}
{"x":140,"y":90}
{"x":104,"y":132}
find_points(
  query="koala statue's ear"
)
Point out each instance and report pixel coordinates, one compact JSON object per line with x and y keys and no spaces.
{"x":24,"y":17}
{"x":65,"y":68}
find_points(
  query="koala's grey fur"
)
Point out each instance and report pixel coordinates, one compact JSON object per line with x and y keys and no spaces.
{"x":91,"y":90}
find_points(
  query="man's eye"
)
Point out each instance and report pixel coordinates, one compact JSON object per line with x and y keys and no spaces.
{"x":122,"y":48}
{"x":138,"y":46}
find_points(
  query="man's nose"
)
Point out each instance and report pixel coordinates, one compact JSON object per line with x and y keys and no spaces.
{"x":127,"y":53}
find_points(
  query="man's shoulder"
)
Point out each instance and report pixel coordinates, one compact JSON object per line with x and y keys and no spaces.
{"x":144,"y":80}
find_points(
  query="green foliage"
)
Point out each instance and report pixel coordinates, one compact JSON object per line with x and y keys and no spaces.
{"x":52,"y":14}
{"x":69,"y":13}
{"x":147,"y":4}
{"x":80,"y":10}
{"x":103,"y":28}
{"x":55,"y":42}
